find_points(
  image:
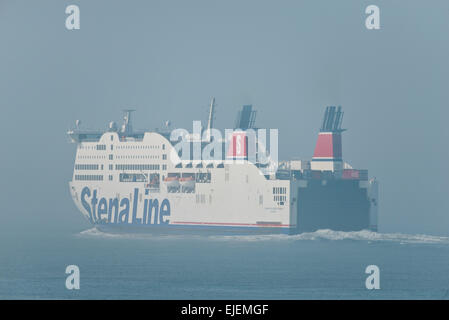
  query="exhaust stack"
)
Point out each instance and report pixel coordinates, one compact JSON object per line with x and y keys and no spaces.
{"x":328,"y":155}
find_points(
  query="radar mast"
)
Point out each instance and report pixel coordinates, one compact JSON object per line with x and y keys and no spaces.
{"x":127,"y":127}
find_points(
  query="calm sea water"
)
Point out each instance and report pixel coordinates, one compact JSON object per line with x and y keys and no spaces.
{"x":320,"y":265}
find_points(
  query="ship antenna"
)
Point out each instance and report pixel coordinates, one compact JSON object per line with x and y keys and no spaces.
{"x":210,"y":121}
{"x":127,"y":126}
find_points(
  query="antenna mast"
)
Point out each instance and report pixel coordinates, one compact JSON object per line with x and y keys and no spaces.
{"x":127,"y":126}
{"x":210,"y":121}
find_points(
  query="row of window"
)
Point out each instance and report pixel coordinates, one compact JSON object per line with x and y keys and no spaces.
{"x":87,"y":147}
{"x":89,"y":177}
{"x":91,"y":157}
{"x":279,"y":190}
{"x":280,"y":198}
{"x":199,"y":165}
{"x":199,"y":177}
{"x":145,"y":156}
{"x":86,"y":166}
{"x":201,"y":198}
{"x":137,"y":167}
{"x":164,"y":157}
{"x":103,"y":147}
{"x":140,"y":147}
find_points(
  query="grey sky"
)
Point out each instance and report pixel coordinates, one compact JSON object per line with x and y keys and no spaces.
{"x":289,"y":59}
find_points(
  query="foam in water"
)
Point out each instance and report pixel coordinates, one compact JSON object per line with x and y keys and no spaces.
{"x":324,"y":234}
{"x":363,"y":235}
{"x":94,"y":232}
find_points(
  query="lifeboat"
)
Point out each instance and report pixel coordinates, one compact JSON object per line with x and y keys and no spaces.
{"x":187,"y":183}
{"x":172,"y":182}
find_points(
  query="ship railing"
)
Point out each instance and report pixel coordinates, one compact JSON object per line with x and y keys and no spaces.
{"x":307,"y":174}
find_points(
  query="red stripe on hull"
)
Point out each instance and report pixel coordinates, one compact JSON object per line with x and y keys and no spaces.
{"x":232,"y":224}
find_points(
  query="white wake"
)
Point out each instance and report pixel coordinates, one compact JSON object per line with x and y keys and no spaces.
{"x":323,"y":235}
{"x":363,"y":235}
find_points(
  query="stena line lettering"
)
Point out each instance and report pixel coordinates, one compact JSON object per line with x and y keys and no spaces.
{"x":102,"y":210}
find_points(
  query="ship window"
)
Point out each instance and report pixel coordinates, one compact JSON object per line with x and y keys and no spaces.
{"x":200,"y":198}
{"x":132,"y":177}
{"x":154,"y":181}
{"x":163,"y":147}
{"x":203,"y":177}
{"x":164,"y":157}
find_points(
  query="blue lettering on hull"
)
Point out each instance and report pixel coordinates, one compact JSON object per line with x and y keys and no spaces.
{"x":111,"y":211}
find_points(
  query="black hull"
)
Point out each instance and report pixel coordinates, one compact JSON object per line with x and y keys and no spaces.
{"x":340,"y":205}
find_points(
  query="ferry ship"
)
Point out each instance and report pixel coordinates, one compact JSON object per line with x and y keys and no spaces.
{"x":127,"y":180}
